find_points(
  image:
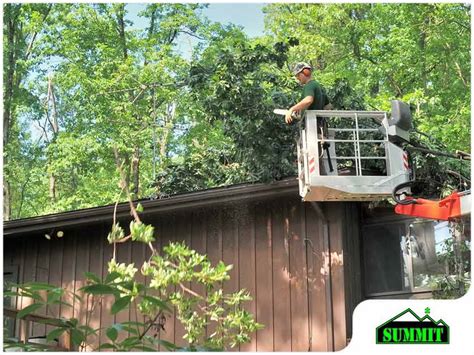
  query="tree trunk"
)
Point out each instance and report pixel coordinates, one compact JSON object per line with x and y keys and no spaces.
{"x":151,"y":30}
{"x":6,"y":200}
{"x":55,"y":128}
{"x":11,"y":13}
{"x":52,"y":187}
{"x":458,"y":258}
{"x":12,"y":80}
{"x":168,"y":125}
{"x":163,"y":144}
{"x":422,"y":45}
{"x":11,"y":63}
{"x":136,"y":170}
{"x":121,"y":29}
{"x":52,"y":98}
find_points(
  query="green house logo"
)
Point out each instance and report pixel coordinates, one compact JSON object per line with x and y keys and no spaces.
{"x":408,"y":328}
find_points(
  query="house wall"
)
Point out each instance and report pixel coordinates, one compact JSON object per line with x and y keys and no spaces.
{"x":304,"y":278}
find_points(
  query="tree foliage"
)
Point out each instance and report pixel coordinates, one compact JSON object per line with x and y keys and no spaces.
{"x":81,"y":78}
{"x":418,"y":53}
{"x":237,"y":83}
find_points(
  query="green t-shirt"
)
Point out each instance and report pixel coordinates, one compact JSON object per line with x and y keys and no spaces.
{"x":314,"y":89}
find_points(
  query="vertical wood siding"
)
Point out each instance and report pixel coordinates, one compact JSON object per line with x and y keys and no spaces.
{"x":304,"y":288}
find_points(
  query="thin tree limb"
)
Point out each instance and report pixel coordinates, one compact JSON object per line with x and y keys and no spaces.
{"x":33,"y":38}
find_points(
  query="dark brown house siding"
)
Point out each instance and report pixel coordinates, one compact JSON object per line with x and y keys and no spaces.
{"x":301,"y":266}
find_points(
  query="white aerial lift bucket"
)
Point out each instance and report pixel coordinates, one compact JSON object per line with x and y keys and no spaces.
{"x":355,"y":159}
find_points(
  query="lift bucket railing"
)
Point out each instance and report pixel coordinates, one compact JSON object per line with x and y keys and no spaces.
{"x":346,"y":155}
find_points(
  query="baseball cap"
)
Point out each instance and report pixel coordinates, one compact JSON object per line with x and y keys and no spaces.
{"x":298,"y":68}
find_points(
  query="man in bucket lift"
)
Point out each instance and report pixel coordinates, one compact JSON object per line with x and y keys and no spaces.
{"x":314,"y":98}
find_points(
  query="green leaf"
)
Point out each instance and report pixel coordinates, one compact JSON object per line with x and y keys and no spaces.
{"x":132,"y":326}
{"x":87,"y":329}
{"x":54,"y":334}
{"x":128,"y":285}
{"x":93,"y":277}
{"x":130,"y":329}
{"x":120,"y":304}
{"x":53,"y":322}
{"x":76,"y":297}
{"x":157,"y":302}
{"x":208,"y":349}
{"x":167,"y":344}
{"x":111,"y":277}
{"x":106,"y":346}
{"x":130,"y":342}
{"x":29,"y":309}
{"x":145,"y":348}
{"x":61,"y":303}
{"x":54,"y":295}
{"x":72,"y":323}
{"x":112,"y":333}
{"x":77,"y":336}
{"x":35,"y":295}
{"x":99,"y":289}
{"x":39,"y":286}
{"x":135,"y":324}
{"x":11,"y":293}
{"x":139,"y":207}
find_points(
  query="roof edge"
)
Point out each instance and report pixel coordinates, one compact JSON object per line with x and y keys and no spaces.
{"x":203,"y":198}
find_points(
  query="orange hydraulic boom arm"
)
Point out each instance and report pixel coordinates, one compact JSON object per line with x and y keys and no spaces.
{"x":455,"y":205}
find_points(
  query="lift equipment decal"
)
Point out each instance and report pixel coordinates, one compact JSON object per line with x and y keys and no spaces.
{"x":405,"y":161}
{"x":312,"y":165}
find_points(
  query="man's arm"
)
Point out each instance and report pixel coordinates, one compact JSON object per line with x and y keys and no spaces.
{"x":302,"y":105}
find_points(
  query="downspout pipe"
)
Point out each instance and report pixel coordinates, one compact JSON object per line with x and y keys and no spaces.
{"x":326,"y":246}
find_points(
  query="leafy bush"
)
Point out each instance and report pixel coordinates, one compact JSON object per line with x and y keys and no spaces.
{"x":168,"y":275}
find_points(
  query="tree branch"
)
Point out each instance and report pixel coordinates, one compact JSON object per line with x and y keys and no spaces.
{"x":44,"y":131}
{"x":172,"y":36}
{"x":150,"y":325}
{"x":191,"y":34}
{"x":123,"y":182}
{"x":191,"y":292}
{"x":30,"y":45}
{"x":22,"y":194}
